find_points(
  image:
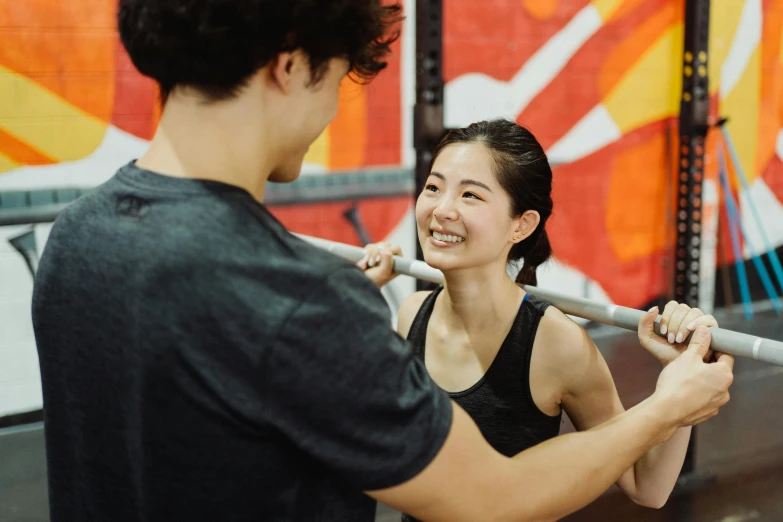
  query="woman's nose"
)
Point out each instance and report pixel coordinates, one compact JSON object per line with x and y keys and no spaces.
{"x":446,"y":210}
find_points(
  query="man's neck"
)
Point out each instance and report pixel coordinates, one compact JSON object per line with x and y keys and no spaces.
{"x":221,"y":141}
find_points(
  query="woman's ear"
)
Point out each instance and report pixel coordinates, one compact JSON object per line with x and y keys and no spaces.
{"x":525,"y":225}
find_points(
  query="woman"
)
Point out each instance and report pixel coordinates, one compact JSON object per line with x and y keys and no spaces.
{"x":511,"y":360}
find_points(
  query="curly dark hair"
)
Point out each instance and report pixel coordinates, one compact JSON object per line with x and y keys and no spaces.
{"x":215,"y":46}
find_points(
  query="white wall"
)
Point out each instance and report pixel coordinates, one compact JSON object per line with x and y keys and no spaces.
{"x":20,"y":384}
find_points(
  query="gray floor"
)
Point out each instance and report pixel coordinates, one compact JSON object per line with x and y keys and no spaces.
{"x":23,"y":475}
{"x":739,"y":453}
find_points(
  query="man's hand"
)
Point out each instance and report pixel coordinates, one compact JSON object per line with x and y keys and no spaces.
{"x":378,"y":264}
{"x":693,"y":390}
{"x":677,"y":322}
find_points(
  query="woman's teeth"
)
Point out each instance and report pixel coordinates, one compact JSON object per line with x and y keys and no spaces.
{"x":447,"y":238}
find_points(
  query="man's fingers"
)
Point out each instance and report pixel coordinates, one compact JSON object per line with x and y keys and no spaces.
{"x":724,"y":358}
{"x":372,"y":254}
{"x":376,"y":251}
{"x":700,"y":341}
{"x":386,"y":263}
{"x":647,"y":323}
{"x":362,"y":263}
{"x":706,"y":320}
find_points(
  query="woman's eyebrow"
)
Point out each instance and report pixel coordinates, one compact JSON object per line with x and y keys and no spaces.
{"x":476,"y":183}
{"x":463,"y":182}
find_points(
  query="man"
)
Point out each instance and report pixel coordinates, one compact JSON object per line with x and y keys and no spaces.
{"x":200,"y":363}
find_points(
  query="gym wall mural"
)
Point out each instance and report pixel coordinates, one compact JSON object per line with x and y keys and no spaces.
{"x":598,"y":82}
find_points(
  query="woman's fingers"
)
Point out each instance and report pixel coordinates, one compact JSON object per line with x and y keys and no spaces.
{"x":363,"y":263}
{"x":668,"y":310}
{"x":676,"y":323}
{"x":704,"y":320}
{"x":679,"y":320}
{"x":378,"y":262}
{"x":386,"y":263}
{"x":372,"y":253}
{"x":682,"y":331}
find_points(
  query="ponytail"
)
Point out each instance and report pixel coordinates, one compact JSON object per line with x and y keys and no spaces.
{"x":534,"y":250}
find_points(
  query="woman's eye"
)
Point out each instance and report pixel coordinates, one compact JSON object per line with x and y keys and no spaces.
{"x":470,"y":195}
{"x":431,"y":188}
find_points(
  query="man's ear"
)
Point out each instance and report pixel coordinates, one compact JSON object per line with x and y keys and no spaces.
{"x":281,"y":70}
{"x":525,"y":225}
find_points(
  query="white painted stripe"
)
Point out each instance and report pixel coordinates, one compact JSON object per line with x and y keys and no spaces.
{"x":594,"y":131}
{"x":474,"y":96}
{"x":709,"y":243}
{"x":408,"y":83}
{"x":771,"y":211}
{"x":756,"y":347}
{"x":779,"y":144}
{"x":746,"y":39}
{"x":117,"y":149}
{"x":546,"y":64}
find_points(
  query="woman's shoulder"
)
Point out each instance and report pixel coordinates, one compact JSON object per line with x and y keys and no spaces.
{"x":408,"y":309}
{"x":565,"y":345}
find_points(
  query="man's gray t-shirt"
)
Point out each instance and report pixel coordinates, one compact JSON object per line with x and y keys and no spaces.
{"x":201,"y":363}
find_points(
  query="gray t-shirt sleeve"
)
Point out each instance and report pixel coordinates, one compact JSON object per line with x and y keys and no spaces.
{"x":346,"y":389}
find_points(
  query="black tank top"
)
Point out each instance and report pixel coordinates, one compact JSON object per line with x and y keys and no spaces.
{"x":501,"y":403}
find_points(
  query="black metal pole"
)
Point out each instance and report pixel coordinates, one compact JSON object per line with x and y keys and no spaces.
{"x":428,"y":126}
{"x":694,"y":112}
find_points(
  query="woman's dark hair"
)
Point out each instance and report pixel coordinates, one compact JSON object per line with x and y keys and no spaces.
{"x":215,"y":46}
{"x":522,"y":169}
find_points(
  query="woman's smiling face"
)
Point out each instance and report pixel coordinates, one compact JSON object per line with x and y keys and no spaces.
{"x":463,"y":214}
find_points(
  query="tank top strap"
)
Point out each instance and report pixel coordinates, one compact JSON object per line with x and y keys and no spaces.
{"x":417,"y":334}
{"x":515,"y":353}
{"x":538,"y":303}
